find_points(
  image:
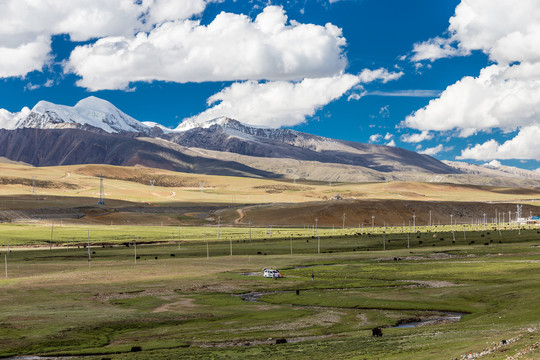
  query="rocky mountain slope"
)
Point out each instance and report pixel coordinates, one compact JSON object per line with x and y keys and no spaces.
{"x":49,"y":147}
{"x":95,"y":131}
{"x":227,"y":135}
{"x":493,"y":170}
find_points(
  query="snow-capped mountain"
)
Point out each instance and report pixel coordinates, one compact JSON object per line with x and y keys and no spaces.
{"x":231,"y":136}
{"x":493,"y":168}
{"x":221,"y":146}
{"x":235,"y":128}
{"x":91,"y":111}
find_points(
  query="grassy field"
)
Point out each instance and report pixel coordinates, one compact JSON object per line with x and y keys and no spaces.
{"x":188,"y":302}
{"x":79,"y":185}
{"x":189,"y":291}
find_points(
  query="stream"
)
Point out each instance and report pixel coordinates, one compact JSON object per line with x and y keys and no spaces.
{"x":440,"y":317}
{"x":437,"y":317}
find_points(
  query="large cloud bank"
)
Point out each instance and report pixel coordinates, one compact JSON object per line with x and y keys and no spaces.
{"x":283,"y":103}
{"x":26,"y":26}
{"x":505,"y":96}
{"x":232,"y":47}
{"x":283,"y":70}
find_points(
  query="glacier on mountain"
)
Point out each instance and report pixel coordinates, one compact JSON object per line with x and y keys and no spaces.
{"x":90,"y":111}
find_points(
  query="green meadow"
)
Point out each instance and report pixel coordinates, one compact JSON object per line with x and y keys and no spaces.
{"x":142,"y":291}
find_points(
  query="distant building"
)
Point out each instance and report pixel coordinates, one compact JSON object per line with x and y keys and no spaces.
{"x":532,"y":220}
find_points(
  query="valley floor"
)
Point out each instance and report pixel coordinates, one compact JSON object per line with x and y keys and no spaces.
{"x":199,"y":301}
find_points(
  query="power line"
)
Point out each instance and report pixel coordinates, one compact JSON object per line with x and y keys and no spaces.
{"x":101,"y":192}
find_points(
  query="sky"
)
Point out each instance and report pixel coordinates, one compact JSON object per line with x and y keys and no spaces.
{"x":457,"y":80}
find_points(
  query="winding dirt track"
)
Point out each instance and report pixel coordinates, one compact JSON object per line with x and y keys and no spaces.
{"x":241,"y":216}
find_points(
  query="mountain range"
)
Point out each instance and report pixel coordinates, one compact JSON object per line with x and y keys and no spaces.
{"x":95,"y":131}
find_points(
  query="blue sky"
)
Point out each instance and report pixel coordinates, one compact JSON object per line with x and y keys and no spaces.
{"x":388,"y":60}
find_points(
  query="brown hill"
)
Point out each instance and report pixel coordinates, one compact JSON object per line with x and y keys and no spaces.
{"x":50,"y":147}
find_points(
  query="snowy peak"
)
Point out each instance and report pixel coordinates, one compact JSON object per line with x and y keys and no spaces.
{"x":96,"y":103}
{"x":234,"y":127}
{"x":221,"y":121}
{"x":91,"y":111}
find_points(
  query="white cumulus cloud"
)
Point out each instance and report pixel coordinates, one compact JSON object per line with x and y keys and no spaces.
{"x":232,"y":47}
{"x":26,"y":26}
{"x":432,"y":151}
{"x":24,"y":57}
{"x":275,"y":103}
{"x":279,"y":103}
{"x":503,"y":29}
{"x":382,"y":74}
{"x":493,"y":164}
{"x":375,"y":138}
{"x":505,"y":95}
{"x":523,"y":146}
{"x":416,"y":138}
{"x":167,"y":10}
{"x":434,"y":49}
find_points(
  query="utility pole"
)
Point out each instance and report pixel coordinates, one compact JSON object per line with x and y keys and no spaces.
{"x":135,"y":245}
{"x":429,"y":218}
{"x":207,"y":248}
{"x":344,"y":215}
{"x":372,"y":223}
{"x":291,"y":243}
{"x":179,"y":238}
{"x":484,"y":221}
{"x":318,"y":245}
{"x":316,"y":227}
{"x":414,"y":222}
{"x":88,"y":246}
{"x":218,"y":222}
{"x":451,"y":223}
{"x":52,"y":229}
{"x":101,"y":192}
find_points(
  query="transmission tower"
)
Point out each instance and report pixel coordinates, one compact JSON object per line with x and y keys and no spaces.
{"x":152,"y":182}
{"x":518,"y":212}
{"x":101,"y":193}
{"x":33,"y":184}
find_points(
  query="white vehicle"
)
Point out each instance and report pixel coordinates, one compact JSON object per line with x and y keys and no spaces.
{"x":270,"y":273}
